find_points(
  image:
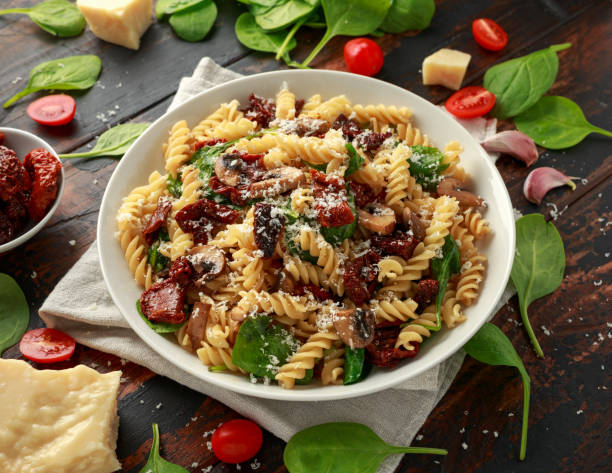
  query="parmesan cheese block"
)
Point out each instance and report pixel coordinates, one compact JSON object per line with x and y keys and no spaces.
{"x":120,"y":22}
{"x":57,"y":421}
{"x":445,"y":67}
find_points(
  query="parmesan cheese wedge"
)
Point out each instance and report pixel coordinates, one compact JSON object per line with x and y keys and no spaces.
{"x":57,"y":421}
{"x":119,"y":22}
{"x":445,"y":67}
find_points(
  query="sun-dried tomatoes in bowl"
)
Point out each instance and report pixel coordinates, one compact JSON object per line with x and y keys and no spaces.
{"x":31,"y":186}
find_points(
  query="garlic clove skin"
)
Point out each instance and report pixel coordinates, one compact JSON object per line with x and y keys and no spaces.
{"x":541,"y":180}
{"x":514,"y":143}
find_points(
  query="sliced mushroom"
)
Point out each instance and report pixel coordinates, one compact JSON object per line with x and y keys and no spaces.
{"x":228,"y":169}
{"x":381,"y":219}
{"x":277,"y":181}
{"x":355,"y":327}
{"x":196,"y":327}
{"x":208,"y":261}
{"x":286,"y":282}
{"x":413,"y":223}
{"x":452,"y":187}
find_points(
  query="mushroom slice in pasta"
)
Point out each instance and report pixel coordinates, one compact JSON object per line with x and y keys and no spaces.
{"x":276,"y":182}
{"x":355,"y":327}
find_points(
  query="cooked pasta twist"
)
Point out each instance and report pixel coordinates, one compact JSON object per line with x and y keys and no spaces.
{"x":331,"y":109}
{"x":394,"y":309}
{"x":179,"y":148}
{"x":470,"y":278}
{"x":397,"y":181}
{"x":285,"y":105}
{"x":390,"y":268}
{"x":476,"y":224}
{"x":333,"y":367}
{"x":226,"y":112}
{"x":418,"y":330}
{"x":280,"y":303}
{"x":383,"y":114}
{"x":411,"y":135}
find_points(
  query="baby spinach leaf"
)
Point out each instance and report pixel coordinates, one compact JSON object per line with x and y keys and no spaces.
{"x":407,"y":15}
{"x":336,"y":235}
{"x":175,"y":185}
{"x":262,"y":347}
{"x":355,"y":160}
{"x":341,"y":447}
{"x":194,"y":23}
{"x":155,"y":463}
{"x":69,"y":73}
{"x":58,"y":17}
{"x":163,"y":8}
{"x":254,"y":37}
{"x":159,"y":327}
{"x":492,"y":347}
{"x":204,"y":159}
{"x":354,"y":365}
{"x":350,"y":18}
{"x":426,"y":166}
{"x":519,"y":83}
{"x":14,"y":312}
{"x":539,"y":264}
{"x":113,"y":142}
{"x":284,"y":14}
{"x":555,"y":123}
{"x":442,"y":269}
{"x":156,"y":259}
{"x":307,"y":379}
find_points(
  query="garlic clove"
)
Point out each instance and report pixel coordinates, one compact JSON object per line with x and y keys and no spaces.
{"x":541,"y":180}
{"x":514,"y":143}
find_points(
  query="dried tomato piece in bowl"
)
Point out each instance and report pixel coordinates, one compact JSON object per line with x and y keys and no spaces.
{"x":44,"y":169}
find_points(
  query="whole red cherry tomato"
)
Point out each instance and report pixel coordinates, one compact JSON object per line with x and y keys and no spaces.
{"x":470,"y":102}
{"x":52,"y":110}
{"x":237,"y":441}
{"x":46,"y":345}
{"x":363,"y":56}
{"x":489,"y":34}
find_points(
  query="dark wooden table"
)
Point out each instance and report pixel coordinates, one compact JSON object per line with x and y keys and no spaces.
{"x":569,"y":420}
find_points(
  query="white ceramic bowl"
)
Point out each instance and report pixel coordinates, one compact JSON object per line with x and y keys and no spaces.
{"x":145,"y":156}
{"x":22,"y":142}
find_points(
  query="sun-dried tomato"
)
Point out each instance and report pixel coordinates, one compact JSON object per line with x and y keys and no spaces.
{"x":371,"y":141}
{"x":208,"y":142}
{"x":317,"y":292}
{"x":426,"y":292}
{"x":269,"y":223}
{"x":157,"y":220}
{"x":261,"y":110}
{"x":44,"y":169}
{"x":323,"y":182}
{"x":363,"y":194}
{"x":2,"y":134}
{"x":382,"y":352}
{"x":196,"y":218}
{"x":15,"y":182}
{"x":350,"y":128}
{"x":360,"y":277}
{"x":236,"y":195}
{"x":331,"y":200}
{"x":164,"y":301}
{"x":299,"y":105}
{"x":181,"y":271}
{"x":7,"y":231}
{"x":398,"y":243}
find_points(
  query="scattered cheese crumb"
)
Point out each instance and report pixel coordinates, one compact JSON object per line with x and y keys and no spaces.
{"x":579,"y":411}
{"x":72,"y":242}
{"x":464,"y":445}
{"x":419,"y":437}
{"x":209,"y":445}
{"x":34,"y":274}
{"x":510,"y":414}
{"x":141,"y":401}
{"x":158,"y":406}
{"x":16,"y":79}
{"x":495,"y":434}
{"x":194,"y":465}
{"x":598,"y":283}
{"x":545,"y":330}
{"x":255,"y":464}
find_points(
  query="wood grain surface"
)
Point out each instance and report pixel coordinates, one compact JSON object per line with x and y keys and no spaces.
{"x":478,"y":420}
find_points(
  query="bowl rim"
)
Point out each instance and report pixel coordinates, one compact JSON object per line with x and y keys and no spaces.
{"x":278,"y":393}
{"x":21,"y":239}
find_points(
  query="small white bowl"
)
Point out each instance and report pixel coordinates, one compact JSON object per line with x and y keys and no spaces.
{"x":22,"y":142}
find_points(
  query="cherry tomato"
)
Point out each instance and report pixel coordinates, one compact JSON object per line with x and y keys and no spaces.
{"x":489,"y":34}
{"x":46,"y":345}
{"x":363,"y":56}
{"x":470,"y":102}
{"x":52,"y":110}
{"x":237,"y":441}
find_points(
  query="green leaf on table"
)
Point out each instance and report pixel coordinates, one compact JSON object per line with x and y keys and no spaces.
{"x":355,"y":160}
{"x":163,"y":8}
{"x":58,"y":17}
{"x":262,"y":347}
{"x":426,"y":166}
{"x":556,"y":123}
{"x":539,"y":264}
{"x":194,"y":23}
{"x":159,"y":327}
{"x":69,"y":73}
{"x":14,"y":312}
{"x":341,"y":447}
{"x":336,"y":235}
{"x":443,"y":268}
{"x":155,"y":463}
{"x":113,"y":142}
{"x":284,"y":14}
{"x":520,"y":82}
{"x":492,"y":347}
{"x":254,"y":37}
{"x":350,"y":18}
{"x":405,"y":15}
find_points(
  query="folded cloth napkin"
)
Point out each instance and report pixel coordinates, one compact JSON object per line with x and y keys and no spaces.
{"x":81,"y":306}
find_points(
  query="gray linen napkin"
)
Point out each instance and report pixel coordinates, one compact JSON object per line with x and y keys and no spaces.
{"x":81,"y":306}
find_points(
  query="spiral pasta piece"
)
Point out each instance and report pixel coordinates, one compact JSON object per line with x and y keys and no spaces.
{"x":390,"y":268}
{"x":476,"y":224}
{"x":312,"y":103}
{"x":451,"y":309}
{"x":285,"y":105}
{"x":397,"y":180}
{"x":280,"y":303}
{"x":393,"y":309}
{"x":383,"y":114}
{"x":418,"y":330}
{"x":411,"y":135}
{"x":226,"y":112}
{"x":331,"y":109}
{"x":315,"y":244}
{"x":179,"y":148}
{"x":470,"y":278}
{"x":333,"y":367}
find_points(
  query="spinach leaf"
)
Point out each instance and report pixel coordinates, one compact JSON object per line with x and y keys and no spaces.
{"x":156,"y":259}
{"x":14,"y":312}
{"x":262,"y":347}
{"x":539,"y":264}
{"x":163,"y":8}
{"x":159,"y":327}
{"x":194,"y":23}
{"x":174,"y":185}
{"x":204,"y":159}
{"x":354,"y":364}
{"x":284,"y":14}
{"x":407,"y":15}
{"x":113,"y":142}
{"x":341,"y":447}
{"x":350,"y":18}
{"x":69,"y":73}
{"x":492,"y":347}
{"x":58,"y":17}
{"x":355,"y":160}
{"x":155,"y":463}
{"x":519,"y":83}
{"x":555,"y":123}
{"x":253,"y":37}
{"x":442,"y":269}
{"x":426,"y":166}
{"x":319,"y":167}
{"x":307,"y":379}
{"x":336,"y":235}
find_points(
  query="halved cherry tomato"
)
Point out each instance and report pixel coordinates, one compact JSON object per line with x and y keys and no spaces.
{"x":237,"y":441}
{"x":52,"y":110}
{"x":363,"y":56}
{"x":470,"y":102}
{"x":489,"y":34}
{"x":46,"y":345}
